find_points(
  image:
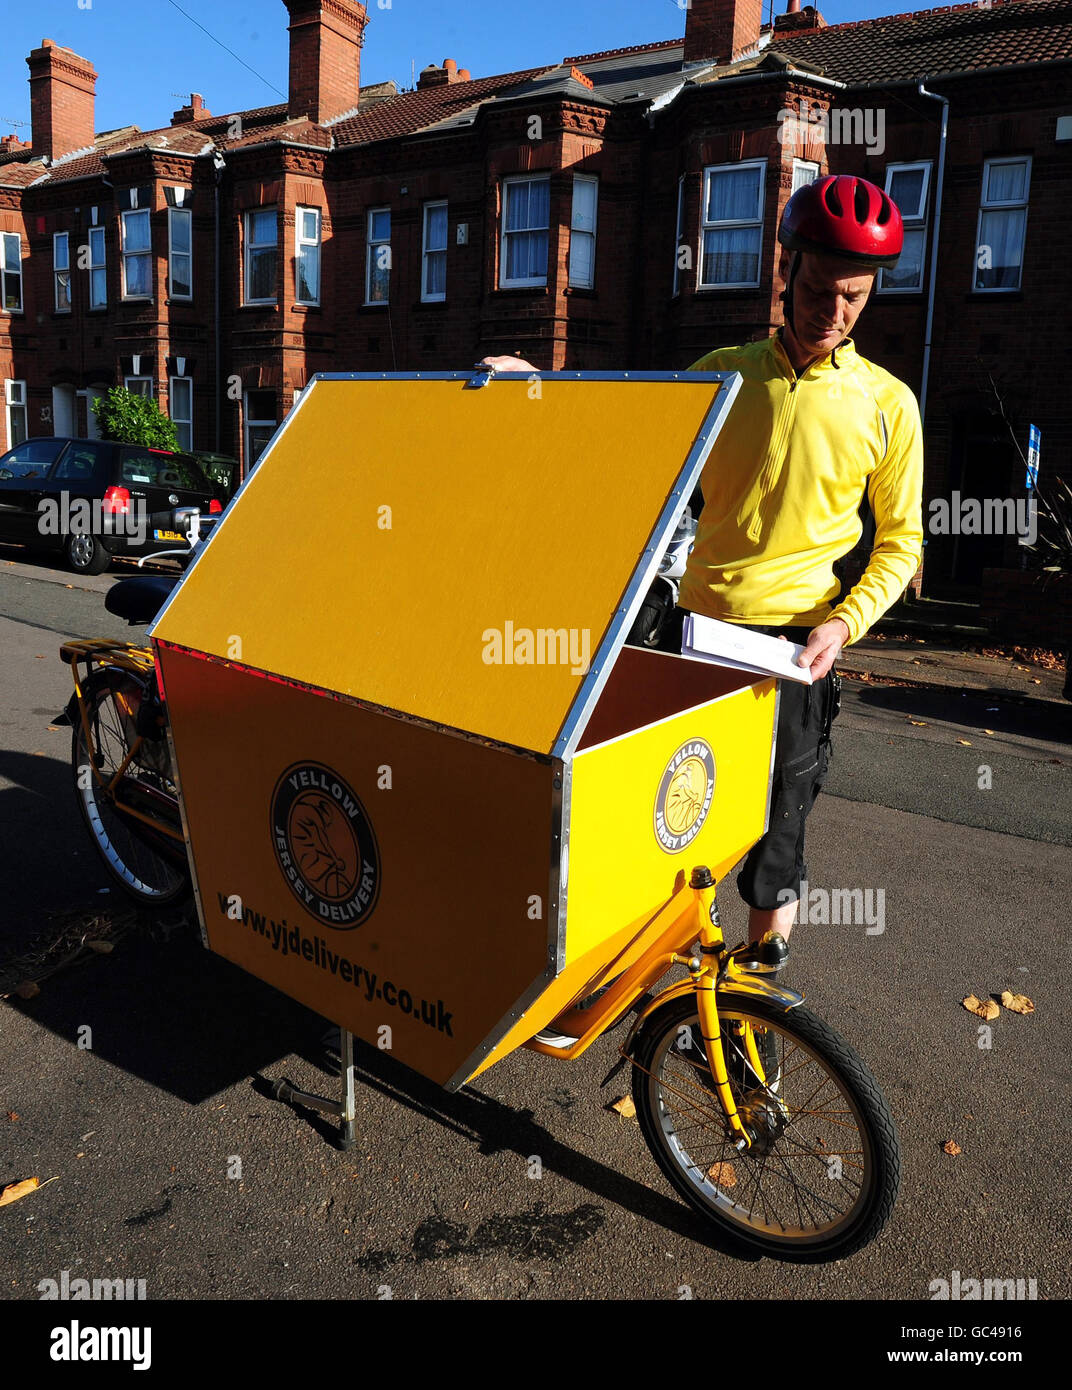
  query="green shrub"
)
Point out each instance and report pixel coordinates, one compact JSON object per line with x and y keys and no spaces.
{"x":132,"y":419}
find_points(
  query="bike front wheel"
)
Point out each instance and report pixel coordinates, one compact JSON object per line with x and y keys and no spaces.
{"x":820,"y":1178}
{"x":135,"y":854}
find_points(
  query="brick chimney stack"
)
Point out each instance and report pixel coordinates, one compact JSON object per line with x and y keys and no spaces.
{"x":449,"y":73}
{"x":797,"y":20}
{"x":196,"y":111}
{"x":325,"y":57}
{"x":719,"y":31}
{"x":62,"y":87}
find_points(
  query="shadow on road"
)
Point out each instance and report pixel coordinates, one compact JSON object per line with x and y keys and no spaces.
{"x":1014,"y":714}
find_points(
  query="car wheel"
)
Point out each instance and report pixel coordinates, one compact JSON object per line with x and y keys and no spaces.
{"x":86,"y":555}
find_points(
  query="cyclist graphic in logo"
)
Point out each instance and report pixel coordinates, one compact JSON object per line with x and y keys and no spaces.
{"x":324,"y":845}
{"x":684,"y":797}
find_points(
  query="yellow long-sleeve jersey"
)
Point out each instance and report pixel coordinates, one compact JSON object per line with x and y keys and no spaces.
{"x":784,"y":482}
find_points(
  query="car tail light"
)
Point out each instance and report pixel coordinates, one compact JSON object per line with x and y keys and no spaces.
{"x":116,"y":499}
{"x":215,"y":507}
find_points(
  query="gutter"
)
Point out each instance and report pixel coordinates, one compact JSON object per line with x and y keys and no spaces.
{"x":219,"y":164}
{"x":925,"y":378}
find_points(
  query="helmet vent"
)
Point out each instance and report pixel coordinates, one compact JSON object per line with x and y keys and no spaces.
{"x":833,"y":202}
{"x":861,"y":201}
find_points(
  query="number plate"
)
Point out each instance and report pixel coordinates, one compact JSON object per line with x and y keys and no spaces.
{"x":168,"y":536}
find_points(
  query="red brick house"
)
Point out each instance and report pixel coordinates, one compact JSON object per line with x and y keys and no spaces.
{"x":616,"y":210}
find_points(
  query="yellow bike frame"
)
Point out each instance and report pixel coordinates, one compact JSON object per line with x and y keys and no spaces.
{"x":690,"y":915}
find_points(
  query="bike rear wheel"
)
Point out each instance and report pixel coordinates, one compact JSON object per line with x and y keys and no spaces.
{"x":821,"y":1177}
{"x":153,"y":877}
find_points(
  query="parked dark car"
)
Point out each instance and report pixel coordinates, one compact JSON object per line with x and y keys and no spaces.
{"x":93,"y":498}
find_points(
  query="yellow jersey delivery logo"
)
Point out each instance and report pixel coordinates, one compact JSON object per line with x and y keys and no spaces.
{"x":684,"y":796}
{"x":325,"y":846}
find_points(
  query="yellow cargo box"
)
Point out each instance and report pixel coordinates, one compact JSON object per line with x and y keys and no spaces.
{"x":427,"y":790}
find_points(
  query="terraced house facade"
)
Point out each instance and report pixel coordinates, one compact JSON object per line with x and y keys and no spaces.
{"x":615,"y":210}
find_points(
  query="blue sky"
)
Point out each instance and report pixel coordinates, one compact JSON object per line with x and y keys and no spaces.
{"x":149,"y":56}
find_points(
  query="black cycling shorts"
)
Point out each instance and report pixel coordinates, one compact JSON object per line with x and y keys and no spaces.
{"x":774,"y":867}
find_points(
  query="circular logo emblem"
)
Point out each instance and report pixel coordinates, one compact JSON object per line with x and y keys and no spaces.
{"x":325,"y":846}
{"x":684,"y":797}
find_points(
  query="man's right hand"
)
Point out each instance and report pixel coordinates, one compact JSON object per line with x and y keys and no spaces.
{"x":508,"y":364}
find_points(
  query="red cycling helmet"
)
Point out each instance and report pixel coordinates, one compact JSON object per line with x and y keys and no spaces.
{"x":843,"y":216}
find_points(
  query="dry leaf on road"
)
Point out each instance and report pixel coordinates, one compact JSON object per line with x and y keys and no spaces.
{"x":952,"y":1148}
{"x":984,"y":1008}
{"x":919,"y":723}
{"x":1017,"y":1003}
{"x":625,"y":1107}
{"x":15,"y":1190}
{"x":964,"y":742}
{"x":722,"y":1174}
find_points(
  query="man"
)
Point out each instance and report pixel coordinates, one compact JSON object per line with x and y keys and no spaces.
{"x":813,"y":428}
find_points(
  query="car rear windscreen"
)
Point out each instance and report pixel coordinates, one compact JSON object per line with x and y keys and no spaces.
{"x":145,"y":468}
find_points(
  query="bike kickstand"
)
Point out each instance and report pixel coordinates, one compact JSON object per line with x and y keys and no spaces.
{"x":345,"y":1108}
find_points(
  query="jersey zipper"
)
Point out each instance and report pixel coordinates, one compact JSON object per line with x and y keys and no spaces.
{"x":776,"y":454}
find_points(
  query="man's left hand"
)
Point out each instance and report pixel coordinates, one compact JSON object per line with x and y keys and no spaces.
{"x":824,"y":647}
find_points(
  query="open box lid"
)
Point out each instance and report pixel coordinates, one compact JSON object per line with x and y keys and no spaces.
{"x":451,"y":551}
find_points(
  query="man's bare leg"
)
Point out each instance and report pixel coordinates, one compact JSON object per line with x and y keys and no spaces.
{"x":779,"y":919}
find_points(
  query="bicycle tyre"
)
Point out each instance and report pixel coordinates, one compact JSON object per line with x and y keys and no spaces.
{"x":151,"y":878}
{"x":821,"y":1047}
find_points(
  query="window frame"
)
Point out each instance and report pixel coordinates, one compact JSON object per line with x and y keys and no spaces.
{"x":798,"y":165}
{"x":61,"y":239}
{"x":174,"y":213}
{"x":539,"y":282}
{"x":724,"y":224}
{"x":98,"y":267}
{"x":574,"y":231}
{"x":180,"y":421}
{"x":6,"y":274}
{"x":126,"y":256}
{"x":249,"y":246}
{"x":316,"y":244}
{"x":985,"y":205}
{"x":919,"y":221}
{"x":150,"y":394}
{"x":426,"y":296}
{"x":11,"y":405}
{"x":370,"y":244}
{"x":248,"y":423}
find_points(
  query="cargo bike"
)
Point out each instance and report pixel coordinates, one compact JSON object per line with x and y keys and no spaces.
{"x":446,"y":807}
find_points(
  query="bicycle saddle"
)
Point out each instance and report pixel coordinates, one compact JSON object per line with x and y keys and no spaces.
{"x":139,"y":599}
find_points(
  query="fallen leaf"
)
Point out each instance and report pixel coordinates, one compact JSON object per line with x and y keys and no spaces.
{"x":919,"y":723}
{"x":1017,"y":1003}
{"x":625,"y":1107}
{"x":964,"y":742}
{"x":989,"y":731}
{"x":987,"y":1009}
{"x":722,"y":1174}
{"x":12,"y":1115}
{"x":952,"y":1148}
{"x":15,"y":1190}
{"x":1035,"y":680}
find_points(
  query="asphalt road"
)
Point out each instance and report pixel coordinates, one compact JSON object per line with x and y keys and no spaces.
{"x":143,"y":1128}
